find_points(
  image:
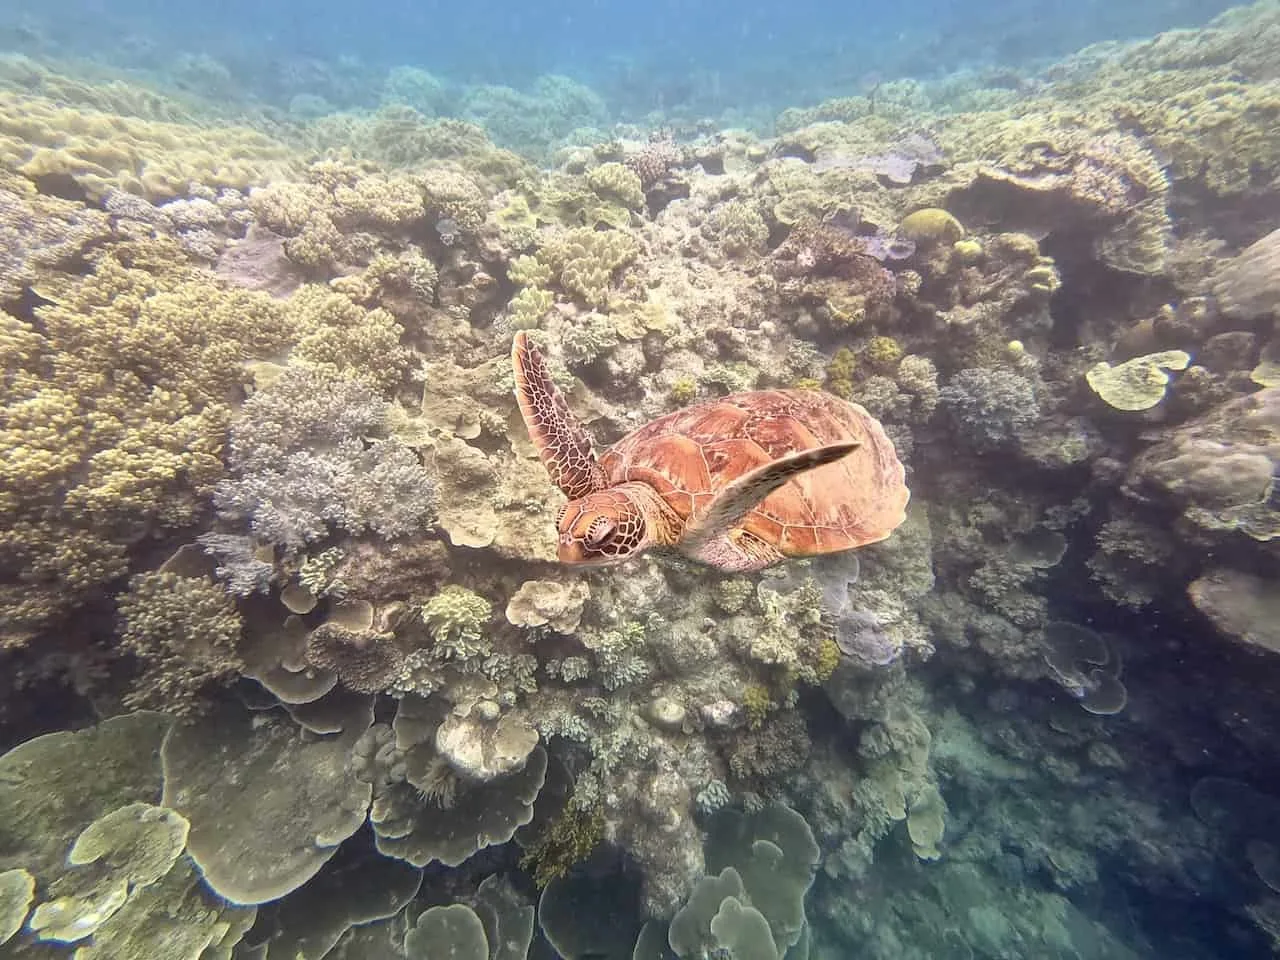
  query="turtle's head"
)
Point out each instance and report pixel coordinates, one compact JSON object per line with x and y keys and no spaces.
{"x":604,"y":527}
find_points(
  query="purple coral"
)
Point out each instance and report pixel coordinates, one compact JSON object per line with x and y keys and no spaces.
{"x":305,"y":456}
{"x":898,"y":164}
{"x":861,"y":637}
{"x":884,"y":246}
{"x":881,"y":245}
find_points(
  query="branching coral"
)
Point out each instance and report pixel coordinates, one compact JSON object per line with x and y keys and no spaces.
{"x":301,"y":465}
{"x":989,"y":408}
{"x":456,"y":619}
{"x":185,"y":633}
{"x":113,"y":427}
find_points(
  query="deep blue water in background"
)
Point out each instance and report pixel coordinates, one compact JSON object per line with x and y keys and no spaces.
{"x":638,"y":55}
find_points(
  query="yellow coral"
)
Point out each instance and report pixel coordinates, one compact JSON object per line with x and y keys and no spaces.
{"x":840,"y":372}
{"x":528,"y":307}
{"x":565,"y":843}
{"x":882,"y":352}
{"x":185,"y":632}
{"x":585,"y":261}
{"x":337,"y":333}
{"x":452,"y":196}
{"x":756,"y":704}
{"x":827,"y":661}
{"x":101,"y":152}
{"x":529,"y":272}
{"x":617,"y":182}
{"x":682,"y":391}
{"x":115,"y":406}
{"x":1137,"y":384}
{"x":931,"y":225}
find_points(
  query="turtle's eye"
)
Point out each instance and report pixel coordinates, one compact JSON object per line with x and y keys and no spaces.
{"x":600,"y":532}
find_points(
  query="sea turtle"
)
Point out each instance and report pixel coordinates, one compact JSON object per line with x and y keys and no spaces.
{"x":738,"y":483}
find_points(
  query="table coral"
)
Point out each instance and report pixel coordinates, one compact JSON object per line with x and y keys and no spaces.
{"x":454,"y":930}
{"x":267,"y":806}
{"x":133,"y":846}
{"x":1241,"y":606}
{"x":1248,"y":285}
{"x":1218,"y":470}
{"x":1137,"y":384}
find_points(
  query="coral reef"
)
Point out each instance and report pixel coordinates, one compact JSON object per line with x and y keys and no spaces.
{"x":263,"y":472}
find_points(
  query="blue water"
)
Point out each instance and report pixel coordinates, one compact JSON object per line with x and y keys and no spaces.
{"x":707,"y":56}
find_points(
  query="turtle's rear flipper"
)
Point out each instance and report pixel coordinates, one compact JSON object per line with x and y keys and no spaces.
{"x":562,"y":442}
{"x":738,"y":498}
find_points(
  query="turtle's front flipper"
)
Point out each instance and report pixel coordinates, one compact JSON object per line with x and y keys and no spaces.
{"x":561,"y":440}
{"x":738,"y":498}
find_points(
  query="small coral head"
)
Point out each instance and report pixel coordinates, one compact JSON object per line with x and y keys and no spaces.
{"x":601,"y":528}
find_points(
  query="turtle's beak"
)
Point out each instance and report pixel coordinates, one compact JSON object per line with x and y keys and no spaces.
{"x":574,"y":552}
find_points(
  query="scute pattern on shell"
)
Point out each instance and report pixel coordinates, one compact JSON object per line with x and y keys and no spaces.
{"x":689,"y":455}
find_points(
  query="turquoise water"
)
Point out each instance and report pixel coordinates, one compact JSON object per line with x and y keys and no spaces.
{"x":602,"y":481}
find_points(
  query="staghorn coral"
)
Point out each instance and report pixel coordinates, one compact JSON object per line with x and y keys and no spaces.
{"x":1219,"y":134}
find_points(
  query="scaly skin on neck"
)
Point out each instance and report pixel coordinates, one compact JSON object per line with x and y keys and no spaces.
{"x":663,"y":525}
